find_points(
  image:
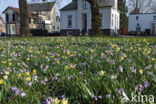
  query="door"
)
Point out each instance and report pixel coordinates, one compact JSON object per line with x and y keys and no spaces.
{"x":154,"y":28}
{"x":84,"y":24}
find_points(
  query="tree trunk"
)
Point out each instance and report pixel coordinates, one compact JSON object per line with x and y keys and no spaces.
{"x":24,"y":19}
{"x":96,"y":17}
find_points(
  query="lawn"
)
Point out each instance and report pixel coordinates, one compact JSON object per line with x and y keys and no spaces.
{"x":76,"y":70}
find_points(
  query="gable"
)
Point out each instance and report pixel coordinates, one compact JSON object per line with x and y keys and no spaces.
{"x":9,"y":10}
{"x":71,"y":6}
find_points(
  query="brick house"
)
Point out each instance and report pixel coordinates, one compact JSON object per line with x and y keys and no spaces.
{"x":12,"y":17}
{"x":41,"y":16}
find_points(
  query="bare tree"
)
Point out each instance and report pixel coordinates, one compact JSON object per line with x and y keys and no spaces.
{"x":96,"y":17}
{"x":140,"y":6}
{"x":24,"y":18}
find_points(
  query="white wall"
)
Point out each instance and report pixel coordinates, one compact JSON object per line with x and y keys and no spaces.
{"x":106,"y":18}
{"x":77,"y":17}
{"x":144,"y":20}
{"x":115,"y":16}
{"x":64,"y":19}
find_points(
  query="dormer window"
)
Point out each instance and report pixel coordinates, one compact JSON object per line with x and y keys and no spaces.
{"x":137,"y":17}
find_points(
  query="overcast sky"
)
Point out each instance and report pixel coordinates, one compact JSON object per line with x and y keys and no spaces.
{"x":14,"y":3}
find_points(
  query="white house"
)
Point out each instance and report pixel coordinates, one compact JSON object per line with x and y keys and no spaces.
{"x":47,"y":15}
{"x":142,"y":22}
{"x":76,"y":17}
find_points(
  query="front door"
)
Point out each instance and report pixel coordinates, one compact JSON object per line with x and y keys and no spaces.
{"x":154,"y":28}
{"x":84,"y":24}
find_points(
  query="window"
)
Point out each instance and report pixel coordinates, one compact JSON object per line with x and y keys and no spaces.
{"x":7,"y":17}
{"x":54,"y":27}
{"x":49,"y":18}
{"x":69,"y":20}
{"x":10,"y":17}
{"x":13,"y":17}
{"x":32,"y":21}
{"x":112,"y":20}
{"x":101,"y":20}
{"x":11,"y":29}
{"x":137,"y":17}
{"x":84,"y":4}
{"x":154,"y":17}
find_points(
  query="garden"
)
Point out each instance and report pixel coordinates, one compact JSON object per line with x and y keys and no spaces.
{"x":76,"y":70}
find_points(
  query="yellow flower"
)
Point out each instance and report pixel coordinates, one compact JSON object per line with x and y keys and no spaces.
{"x":7,"y":72}
{"x":153,"y":59}
{"x":34,"y":71}
{"x":57,"y":61}
{"x":5,"y":77}
{"x":92,"y":51}
{"x":141,"y":71}
{"x":10,"y":64}
{"x":1,"y":81}
{"x":102,"y":54}
{"x":19,"y":75}
{"x":28,"y":79}
{"x":122,"y":58}
{"x":71,"y":66}
{"x":66,"y":67}
{"x":56,"y":101}
{"x":64,"y":101}
{"x":71,"y":55}
{"x":9,"y":59}
{"x":28,"y":59}
{"x":117,"y":49}
{"x":68,"y":53}
{"x":52,"y":56}
{"x":46,"y":57}
{"x":124,"y":55}
{"x":102,"y":72}
{"x":27,"y":73}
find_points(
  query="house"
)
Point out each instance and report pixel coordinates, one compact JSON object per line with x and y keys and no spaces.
{"x":75,"y":18}
{"x":41,"y":16}
{"x":2,"y":26}
{"x":12,"y":17}
{"x":142,"y":23}
{"x":47,"y":16}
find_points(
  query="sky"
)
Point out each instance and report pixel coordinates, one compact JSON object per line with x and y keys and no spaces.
{"x":14,"y":3}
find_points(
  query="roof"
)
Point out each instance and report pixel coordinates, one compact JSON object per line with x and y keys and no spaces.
{"x":41,"y":6}
{"x":71,"y":6}
{"x":31,"y":15}
{"x":74,"y":5}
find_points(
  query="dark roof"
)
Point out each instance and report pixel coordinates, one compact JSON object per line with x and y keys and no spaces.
{"x":71,"y":6}
{"x":31,"y":15}
{"x":41,"y":6}
{"x":74,"y":5}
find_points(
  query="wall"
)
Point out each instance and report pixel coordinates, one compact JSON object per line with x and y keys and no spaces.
{"x":144,"y":21}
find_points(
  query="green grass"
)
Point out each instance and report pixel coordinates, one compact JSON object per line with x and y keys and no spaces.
{"x":82,"y":70}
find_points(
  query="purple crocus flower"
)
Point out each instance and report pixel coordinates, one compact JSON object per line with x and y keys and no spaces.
{"x":121,"y":68}
{"x":49,"y":100}
{"x":146,"y":84}
{"x":139,"y":88}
